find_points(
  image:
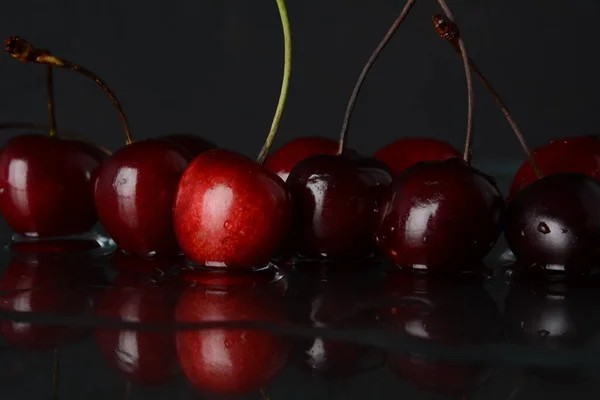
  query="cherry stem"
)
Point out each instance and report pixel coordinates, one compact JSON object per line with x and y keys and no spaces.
{"x":365,"y":71}
{"x":448,"y":30}
{"x":23,"y":51}
{"x":66,"y":134}
{"x":50,"y":94}
{"x":285,"y":83}
{"x":55,"y":372}
{"x":470,"y":96}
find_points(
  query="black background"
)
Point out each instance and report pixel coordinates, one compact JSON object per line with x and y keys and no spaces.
{"x":213,"y":68}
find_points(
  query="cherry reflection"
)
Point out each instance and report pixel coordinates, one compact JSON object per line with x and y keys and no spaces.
{"x":446,"y":310}
{"x":234,"y":361}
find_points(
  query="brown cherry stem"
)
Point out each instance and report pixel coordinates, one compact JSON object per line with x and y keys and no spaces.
{"x":469,"y":80}
{"x":23,"y":51}
{"x":66,"y":134}
{"x":50,"y":95}
{"x":365,"y":71}
{"x":448,"y":30}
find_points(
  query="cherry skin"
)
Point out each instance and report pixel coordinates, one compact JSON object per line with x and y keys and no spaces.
{"x":46,"y":186}
{"x":335,"y":203}
{"x":450,"y":312}
{"x":439,"y":214}
{"x":283,"y":160}
{"x":230,"y":211}
{"x":134,"y":195}
{"x":192,"y":143}
{"x":555,"y":223}
{"x":225,"y":361}
{"x":146,"y":358}
{"x":577,"y":154}
{"x":404,"y":153}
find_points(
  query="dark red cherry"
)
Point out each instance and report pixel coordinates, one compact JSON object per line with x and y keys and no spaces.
{"x":46,"y":186}
{"x":335,"y":203}
{"x":47,"y":284}
{"x":444,"y":311}
{"x":230,"y":361}
{"x":439,"y":214}
{"x":192,"y":143}
{"x":577,"y":154}
{"x":283,"y":160}
{"x":404,"y":153}
{"x":553,"y":315}
{"x":230,"y":211}
{"x":134,"y":195}
{"x":555,"y":223}
{"x":144,"y":357}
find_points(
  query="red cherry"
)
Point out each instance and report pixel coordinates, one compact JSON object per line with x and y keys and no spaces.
{"x":335,"y":203}
{"x":225,"y":361}
{"x":193,"y":144}
{"x":230,"y":211}
{"x":283,"y":160}
{"x":46,"y":284}
{"x":581,"y":154}
{"x":46,"y":186}
{"x":146,"y":358}
{"x":404,"y":153}
{"x":444,"y":311}
{"x":134,"y":196}
{"x":438,"y":215}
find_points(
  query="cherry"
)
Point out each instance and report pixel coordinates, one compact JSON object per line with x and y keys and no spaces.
{"x":192,"y":143}
{"x":230,"y":361}
{"x":406,"y":152}
{"x":283,"y":160}
{"x":229,"y":210}
{"x":553,"y":315}
{"x":446,"y":311}
{"x":554,"y":223}
{"x":146,"y":358}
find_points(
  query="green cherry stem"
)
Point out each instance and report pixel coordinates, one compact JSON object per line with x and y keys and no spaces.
{"x":287,"y":72}
{"x":449,"y":31}
{"x":50,"y":95}
{"x":469,"y":80}
{"x":365,"y":71}
{"x":23,"y":51}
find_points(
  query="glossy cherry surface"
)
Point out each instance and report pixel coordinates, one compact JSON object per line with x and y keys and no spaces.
{"x":283,"y":160}
{"x":335,"y":203}
{"x":231,"y":361}
{"x":134,"y":196}
{"x":404,"y":153}
{"x":146,"y":358}
{"x":577,"y":154}
{"x":192,"y":143}
{"x":46,"y":186}
{"x":230,"y":211}
{"x":439,"y":214}
{"x":451,"y":312}
{"x":555,"y":223}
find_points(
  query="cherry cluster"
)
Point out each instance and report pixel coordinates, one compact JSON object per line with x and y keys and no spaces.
{"x":417,"y":202}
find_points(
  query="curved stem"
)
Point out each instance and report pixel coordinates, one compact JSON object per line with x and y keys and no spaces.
{"x":285,"y":83}
{"x":363,"y":75}
{"x":23,"y":51}
{"x":66,"y":134}
{"x":449,"y":31}
{"x":50,"y":94}
{"x":469,"y":80}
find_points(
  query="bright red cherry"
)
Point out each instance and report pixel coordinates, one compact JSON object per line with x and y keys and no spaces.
{"x":230,"y":361}
{"x":46,"y":186}
{"x":404,"y":153}
{"x":439,"y":214}
{"x":581,"y":154}
{"x":283,"y":160}
{"x":134,"y":195}
{"x":146,"y":358}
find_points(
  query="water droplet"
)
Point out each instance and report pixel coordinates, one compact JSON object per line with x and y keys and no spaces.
{"x":543,"y":333}
{"x":392,"y":228}
{"x":227,"y":224}
{"x":424,"y":239}
{"x":543,"y":228}
{"x":523,"y":232}
{"x":227,"y":343}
